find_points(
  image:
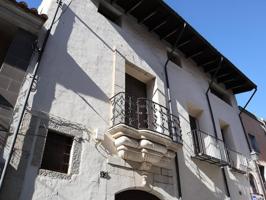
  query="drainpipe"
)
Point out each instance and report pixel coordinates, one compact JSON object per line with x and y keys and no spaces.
{"x":175,"y":138}
{"x":208,"y":98}
{"x":24,"y":105}
{"x":214,"y":124}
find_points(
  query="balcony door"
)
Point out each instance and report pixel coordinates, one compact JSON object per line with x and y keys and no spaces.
{"x":135,"y":104}
{"x":195,"y":133}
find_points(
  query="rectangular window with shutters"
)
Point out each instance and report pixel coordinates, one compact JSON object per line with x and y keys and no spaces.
{"x":57,"y":151}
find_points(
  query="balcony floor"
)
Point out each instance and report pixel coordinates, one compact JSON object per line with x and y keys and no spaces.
{"x":210,"y":159}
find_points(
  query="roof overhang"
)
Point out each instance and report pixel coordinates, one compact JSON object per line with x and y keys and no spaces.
{"x":159,"y":18}
{"x":21,"y":16}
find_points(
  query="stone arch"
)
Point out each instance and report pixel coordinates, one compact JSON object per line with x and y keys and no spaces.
{"x":133,"y":194}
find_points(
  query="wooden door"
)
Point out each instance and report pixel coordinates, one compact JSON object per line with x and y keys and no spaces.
{"x":136,"y":106}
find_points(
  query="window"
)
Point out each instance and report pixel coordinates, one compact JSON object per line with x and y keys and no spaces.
{"x":5,"y":103}
{"x":262,"y":173}
{"x":174,"y":58}
{"x":194,"y":132}
{"x":136,"y":90}
{"x":110,"y":13}
{"x":253,"y":143}
{"x":221,"y":95}
{"x":193,"y":123}
{"x":253,"y":184}
{"x":57,"y":152}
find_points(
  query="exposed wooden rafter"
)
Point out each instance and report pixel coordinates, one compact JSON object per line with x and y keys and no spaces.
{"x":196,"y":53}
{"x":133,"y":7}
{"x":148,"y":16}
{"x":185,"y":42}
{"x":169,"y":34}
{"x":159,"y":25}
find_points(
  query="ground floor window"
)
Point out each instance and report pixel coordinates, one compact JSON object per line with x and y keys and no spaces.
{"x":57,"y":150}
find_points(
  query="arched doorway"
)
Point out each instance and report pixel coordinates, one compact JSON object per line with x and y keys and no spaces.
{"x":135,"y":195}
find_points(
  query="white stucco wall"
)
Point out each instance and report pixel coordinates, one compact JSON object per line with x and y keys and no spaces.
{"x":82,"y":67}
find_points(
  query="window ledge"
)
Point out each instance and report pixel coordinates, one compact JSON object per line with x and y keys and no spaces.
{"x":54,"y":174}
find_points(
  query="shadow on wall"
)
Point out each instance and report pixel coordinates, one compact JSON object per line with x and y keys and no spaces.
{"x":60,"y":68}
{"x":16,"y":172}
{"x":201,"y":175}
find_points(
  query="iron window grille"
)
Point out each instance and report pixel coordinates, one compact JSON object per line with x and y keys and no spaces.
{"x":57,"y":150}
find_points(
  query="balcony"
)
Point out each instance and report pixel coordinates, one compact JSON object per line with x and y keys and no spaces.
{"x":144,"y":131}
{"x":238,"y":162}
{"x":209,"y":148}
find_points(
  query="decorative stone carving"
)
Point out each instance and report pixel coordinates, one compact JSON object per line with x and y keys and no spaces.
{"x":143,"y":146}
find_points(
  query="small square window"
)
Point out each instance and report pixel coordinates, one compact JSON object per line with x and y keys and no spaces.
{"x":57,"y":152}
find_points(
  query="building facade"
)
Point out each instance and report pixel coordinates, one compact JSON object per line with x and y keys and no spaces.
{"x":256,"y":132}
{"x":130,"y":102}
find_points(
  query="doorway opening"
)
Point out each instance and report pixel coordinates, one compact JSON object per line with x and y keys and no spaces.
{"x":135,"y":194}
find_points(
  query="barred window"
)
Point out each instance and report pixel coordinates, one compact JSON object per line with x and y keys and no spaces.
{"x":57,"y":152}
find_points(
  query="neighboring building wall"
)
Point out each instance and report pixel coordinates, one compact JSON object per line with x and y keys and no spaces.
{"x":256,"y":127}
{"x":19,"y":26}
{"x":12,"y":73}
{"x":83,"y":66}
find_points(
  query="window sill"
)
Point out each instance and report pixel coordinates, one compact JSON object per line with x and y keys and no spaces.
{"x":54,"y":174}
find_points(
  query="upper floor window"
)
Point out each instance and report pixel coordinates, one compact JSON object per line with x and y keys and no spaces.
{"x":57,"y":152}
{"x":175,"y":58}
{"x":195,"y":134}
{"x":5,"y":103}
{"x":253,"y":184}
{"x":253,"y":143}
{"x":262,"y":173}
{"x":223,"y":96}
{"x":110,"y":13}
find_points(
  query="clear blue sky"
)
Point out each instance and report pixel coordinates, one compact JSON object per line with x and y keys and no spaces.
{"x":238,"y":30}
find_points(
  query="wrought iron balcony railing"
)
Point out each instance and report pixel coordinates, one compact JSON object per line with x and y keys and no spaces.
{"x":144,"y":114}
{"x":209,"y":148}
{"x":237,"y":161}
